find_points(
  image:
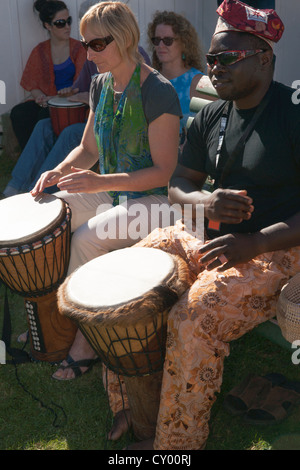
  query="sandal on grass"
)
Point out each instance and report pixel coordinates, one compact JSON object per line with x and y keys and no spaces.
{"x":75,"y":366}
{"x":277,"y":405}
{"x":251,"y":392}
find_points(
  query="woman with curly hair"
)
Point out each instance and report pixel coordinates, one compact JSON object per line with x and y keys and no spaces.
{"x":177,"y":54}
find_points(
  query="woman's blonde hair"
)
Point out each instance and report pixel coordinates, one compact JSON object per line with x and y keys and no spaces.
{"x":115,"y":19}
{"x":192,"y":53}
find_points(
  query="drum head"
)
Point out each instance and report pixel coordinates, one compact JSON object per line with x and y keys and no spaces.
{"x":25,"y":218}
{"x":60,"y":102}
{"x":119,"y":277}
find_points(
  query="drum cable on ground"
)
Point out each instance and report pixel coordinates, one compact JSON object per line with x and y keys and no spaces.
{"x":19,"y":356}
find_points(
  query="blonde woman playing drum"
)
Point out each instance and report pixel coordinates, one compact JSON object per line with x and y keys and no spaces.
{"x":133,"y":130}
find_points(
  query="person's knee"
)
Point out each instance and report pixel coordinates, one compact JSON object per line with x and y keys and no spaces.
{"x":74,"y":131}
{"x":44,"y":125}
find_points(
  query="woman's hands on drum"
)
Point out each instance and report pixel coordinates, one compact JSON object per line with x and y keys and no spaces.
{"x":65,"y":92}
{"x":47,"y":179}
{"x":42,"y":100}
{"x":78,"y":181}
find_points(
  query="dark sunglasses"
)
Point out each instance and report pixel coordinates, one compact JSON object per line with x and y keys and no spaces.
{"x":168,"y":41}
{"x":230,"y":57}
{"x":62,"y":23}
{"x":98,"y":44}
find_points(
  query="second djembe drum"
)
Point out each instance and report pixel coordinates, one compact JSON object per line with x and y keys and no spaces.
{"x":64,"y":113}
{"x":121,"y":302}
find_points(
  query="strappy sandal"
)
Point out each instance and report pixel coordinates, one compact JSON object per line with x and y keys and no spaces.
{"x":251,"y":392}
{"x":75,"y":366}
{"x":277,"y":406}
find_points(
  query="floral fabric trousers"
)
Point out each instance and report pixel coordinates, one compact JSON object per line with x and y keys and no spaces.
{"x":217,"y":308}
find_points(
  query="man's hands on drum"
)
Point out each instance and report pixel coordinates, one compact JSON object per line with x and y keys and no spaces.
{"x":228,"y":206}
{"x":78,"y":181}
{"x":231,"y":207}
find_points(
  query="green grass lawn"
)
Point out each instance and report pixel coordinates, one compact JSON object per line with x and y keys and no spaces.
{"x":40,"y":413}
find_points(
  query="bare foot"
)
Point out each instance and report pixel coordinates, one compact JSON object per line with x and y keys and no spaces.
{"x":142,"y":445}
{"x":80,"y":350}
{"x":121,"y":424}
{"x":23,"y":337}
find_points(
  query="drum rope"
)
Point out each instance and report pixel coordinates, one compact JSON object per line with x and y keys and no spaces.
{"x":114,"y":360}
{"x":38,"y":281}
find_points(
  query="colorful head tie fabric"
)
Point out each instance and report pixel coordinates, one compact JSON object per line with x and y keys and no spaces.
{"x":237,"y":16}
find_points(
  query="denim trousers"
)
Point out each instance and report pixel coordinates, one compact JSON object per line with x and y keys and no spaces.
{"x":43,"y":152}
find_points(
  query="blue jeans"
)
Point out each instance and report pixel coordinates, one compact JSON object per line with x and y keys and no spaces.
{"x":43,"y":152}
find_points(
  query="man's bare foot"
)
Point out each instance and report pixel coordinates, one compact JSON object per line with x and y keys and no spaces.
{"x":80,"y":351}
{"x":142,"y":445}
{"x":121,"y":424}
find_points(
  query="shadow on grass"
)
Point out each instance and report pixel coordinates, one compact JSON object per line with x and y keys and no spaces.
{"x":74,"y":415}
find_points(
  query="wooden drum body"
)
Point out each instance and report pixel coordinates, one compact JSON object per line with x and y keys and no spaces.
{"x":121,"y":302}
{"x":34,"y":257}
{"x":63,"y":113}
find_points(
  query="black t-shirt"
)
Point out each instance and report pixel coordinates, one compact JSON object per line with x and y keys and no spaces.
{"x":269,"y":167}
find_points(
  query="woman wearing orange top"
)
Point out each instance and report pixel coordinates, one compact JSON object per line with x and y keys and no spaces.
{"x":51,"y":69}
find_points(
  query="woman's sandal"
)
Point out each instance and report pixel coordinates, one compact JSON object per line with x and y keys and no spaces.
{"x":277,"y":406}
{"x":75,"y":366}
{"x":251,"y":392}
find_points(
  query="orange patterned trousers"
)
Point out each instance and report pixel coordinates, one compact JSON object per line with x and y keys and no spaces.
{"x":216,"y":309}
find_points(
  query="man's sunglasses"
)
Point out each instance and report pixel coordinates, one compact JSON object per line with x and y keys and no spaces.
{"x":230,"y":57}
{"x":98,"y":44}
{"x":168,"y":41}
{"x":62,"y":23}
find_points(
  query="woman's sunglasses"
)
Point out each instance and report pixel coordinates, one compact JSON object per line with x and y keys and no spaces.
{"x":230,"y":57}
{"x":98,"y":44}
{"x":168,"y":41}
{"x":62,"y":23}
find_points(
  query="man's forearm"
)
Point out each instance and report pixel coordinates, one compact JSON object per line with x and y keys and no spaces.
{"x":280,"y":236}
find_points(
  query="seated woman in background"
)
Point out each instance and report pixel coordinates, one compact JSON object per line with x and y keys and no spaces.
{"x":44,"y":150}
{"x":51,"y":69}
{"x":178,"y":56}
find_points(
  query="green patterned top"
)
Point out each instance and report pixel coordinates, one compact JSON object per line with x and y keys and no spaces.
{"x":122,"y":138}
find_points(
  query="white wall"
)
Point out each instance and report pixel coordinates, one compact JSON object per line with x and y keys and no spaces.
{"x":20,"y":31}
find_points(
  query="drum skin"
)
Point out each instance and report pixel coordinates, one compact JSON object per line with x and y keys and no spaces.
{"x":64,"y":113}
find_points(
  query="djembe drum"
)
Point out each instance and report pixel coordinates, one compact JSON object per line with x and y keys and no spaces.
{"x":63,"y":113}
{"x":120,"y":301}
{"x":34,"y":256}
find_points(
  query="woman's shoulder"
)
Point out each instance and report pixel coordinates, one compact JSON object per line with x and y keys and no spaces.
{"x":151,"y":78}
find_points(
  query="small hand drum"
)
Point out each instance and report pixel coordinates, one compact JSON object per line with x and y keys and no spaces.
{"x":34,"y":257}
{"x":64,"y":112}
{"x":121,"y":302}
